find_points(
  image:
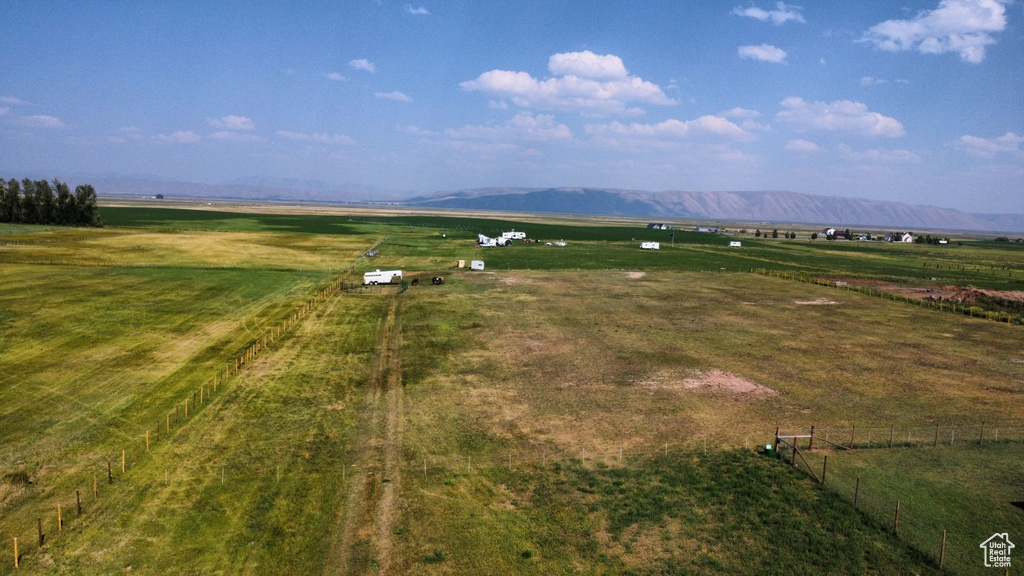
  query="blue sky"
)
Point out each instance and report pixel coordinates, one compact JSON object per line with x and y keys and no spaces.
{"x":919,"y":101}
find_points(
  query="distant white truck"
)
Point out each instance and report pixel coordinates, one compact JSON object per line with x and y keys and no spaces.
{"x":650,"y":245}
{"x":513,"y":235}
{"x":382,"y":277}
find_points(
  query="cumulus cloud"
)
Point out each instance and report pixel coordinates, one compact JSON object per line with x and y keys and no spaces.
{"x":713,"y":126}
{"x":802,"y":146}
{"x":763,"y":53}
{"x":13,"y":101}
{"x":783,"y":13}
{"x":961,"y":26}
{"x":335,"y":76}
{"x":582,"y":81}
{"x":738,"y":112}
{"x":837,"y":116}
{"x":393,"y":95}
{"x":876,"y":156}
{"x":41,"y":121}
{"x":421,"y":11}
{"x":1008,"y":143}
{"x":231,"y":122}
{"x":523,"y":126}
{"x":362,"y":64}
{"x":178,"y":137}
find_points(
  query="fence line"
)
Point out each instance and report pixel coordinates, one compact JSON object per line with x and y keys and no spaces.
{"x":943,"y":305}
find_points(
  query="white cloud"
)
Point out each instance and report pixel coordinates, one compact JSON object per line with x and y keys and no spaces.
{"x":13,"y":101}
{"x":293,"y":135}
{"x":336,"y":77}
{"x":318,"y":137}
{"x":497,"y":105}
{"x":586,"y":64}
{"x":41,"y":121}
{"x":523,"y":126}
{"x":1008,"y":143}
{"x":961,"y":26}
{"x":869,"y":81}
{"x":362,"y":64}
{"x":715,"y":126}
{"x":876,"y":156}
{"x":802,"y":146}
{"x":583,"y":81}
{"x":178,"y":137}
{"x":393,"y":95}
{"x":231,"y":136}
{"x":837,"y":116}
{"x":738,"y":112}
{"x":325,"y":138}
{"x":783,"y":13}
{"x":231,"y":122}
{"x":421,"y":11}
{"x":763,"y":53}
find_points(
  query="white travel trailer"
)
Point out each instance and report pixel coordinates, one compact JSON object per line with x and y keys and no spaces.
{"x":735,"y":244}
{"x":513,"y":235}
{"x":650,"y":245}
{"x":476,"y":265}
{"x":382,"y":277}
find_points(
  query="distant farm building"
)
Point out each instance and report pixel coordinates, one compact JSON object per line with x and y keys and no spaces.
{"x":657,"y":226}
{"x":899,"y":237}
{"x":708,"y":229}
{"x":650,"y":246}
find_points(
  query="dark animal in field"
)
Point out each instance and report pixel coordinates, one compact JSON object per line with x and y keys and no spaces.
{"x":415,"y":281}
{"x":437,"y":280}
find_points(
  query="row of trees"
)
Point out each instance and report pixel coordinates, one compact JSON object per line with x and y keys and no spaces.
{"x":40,"y":202}
{"x":774,"y":234}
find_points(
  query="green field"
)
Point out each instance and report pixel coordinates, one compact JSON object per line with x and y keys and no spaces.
{"x":589,"y":408}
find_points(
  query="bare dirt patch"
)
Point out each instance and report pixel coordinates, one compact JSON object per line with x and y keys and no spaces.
{"x":635,"y":275}
{"x":707,"y":380}
{"x":815,"y":302}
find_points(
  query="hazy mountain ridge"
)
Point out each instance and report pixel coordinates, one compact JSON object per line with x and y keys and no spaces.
{"x":770,"y":206}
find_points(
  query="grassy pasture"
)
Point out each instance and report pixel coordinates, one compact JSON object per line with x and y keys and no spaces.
{"x":551,"y":354}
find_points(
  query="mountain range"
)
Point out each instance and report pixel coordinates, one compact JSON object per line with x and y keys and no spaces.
{"x":759,"y":206}
{"x":766,"y":206}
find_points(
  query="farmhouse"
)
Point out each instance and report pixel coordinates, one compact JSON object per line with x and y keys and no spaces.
{"x":658,"y":226}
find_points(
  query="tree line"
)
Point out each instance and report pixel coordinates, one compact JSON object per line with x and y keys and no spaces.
{"x":40,"y":202}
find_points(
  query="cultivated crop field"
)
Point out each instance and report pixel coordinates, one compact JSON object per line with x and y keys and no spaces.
{"x":589,"y":408}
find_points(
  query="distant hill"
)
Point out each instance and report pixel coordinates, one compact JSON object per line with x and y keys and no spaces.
{"x":769,"y":206}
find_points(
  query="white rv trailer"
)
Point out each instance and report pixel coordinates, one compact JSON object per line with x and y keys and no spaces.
{"x":735,"y":244}
{"x":513,"y":235}
{"x":476,"y":265}
{"x":382,"y":277}
{"x":650,"y":246}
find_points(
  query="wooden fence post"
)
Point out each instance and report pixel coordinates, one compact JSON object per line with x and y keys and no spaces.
{"x":936,"y":435}
{"x":110,"y":474}
{"x":852,"y":435}
{"x":824,"y":469}
{"x":60,"y":521}
{"x":39,"y":531}
{"x":15,"y":553}
{"x":95,"y":490}
{"x":981,"y":437}
{"x":810,"y":445}
{"x":123,"y":463}
{"x":892,"y":429}
{"x":78,"y":501}
{"x":896,"y":520}
{"x":147,"y":440}
{"x":856,"y":493}
{"x":942,"y":551}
